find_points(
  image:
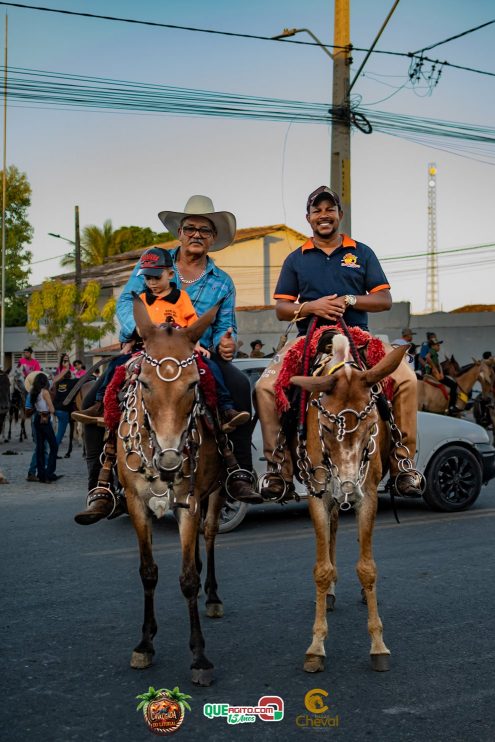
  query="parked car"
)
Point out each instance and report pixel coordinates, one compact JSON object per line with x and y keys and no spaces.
{"x":454,"y":455}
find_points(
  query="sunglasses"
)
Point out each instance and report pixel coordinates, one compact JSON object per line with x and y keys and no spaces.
{"x":203,"y":231}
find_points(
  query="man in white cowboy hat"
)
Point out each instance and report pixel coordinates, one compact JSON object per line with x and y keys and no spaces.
{"x":200,"y":230}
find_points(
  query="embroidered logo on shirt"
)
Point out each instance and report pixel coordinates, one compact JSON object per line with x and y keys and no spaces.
{"x":350,"y":261}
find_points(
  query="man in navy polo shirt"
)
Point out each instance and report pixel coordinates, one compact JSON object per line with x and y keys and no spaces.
{"x":333,"y":276}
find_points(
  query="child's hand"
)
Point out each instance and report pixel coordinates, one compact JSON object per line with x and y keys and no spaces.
{"x":203,"y":351}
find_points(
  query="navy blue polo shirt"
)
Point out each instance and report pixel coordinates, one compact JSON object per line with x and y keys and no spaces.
{"x":308,"y":274}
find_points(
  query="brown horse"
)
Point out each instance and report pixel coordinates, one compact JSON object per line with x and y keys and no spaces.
{"x":431,"y":398}
{"x":168,"y":458}
{"x":348,"y":446}
{"x":450,"y":367}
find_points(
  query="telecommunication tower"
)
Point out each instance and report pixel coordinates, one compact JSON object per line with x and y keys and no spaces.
{"x":432,"y":299}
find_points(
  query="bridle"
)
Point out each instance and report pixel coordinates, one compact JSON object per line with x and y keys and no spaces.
{"x":328,"y":467}
{"x":151,"y":465}
{"x":347,"y":486}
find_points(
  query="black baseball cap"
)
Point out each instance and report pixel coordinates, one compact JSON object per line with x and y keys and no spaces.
{"x":323,"y":192}
{"x":154,"y":261}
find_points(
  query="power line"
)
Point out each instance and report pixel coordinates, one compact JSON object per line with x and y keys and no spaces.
{"x":457,"y":36}
{"x":237,"y":35}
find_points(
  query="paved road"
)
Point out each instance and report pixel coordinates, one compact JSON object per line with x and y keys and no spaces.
{"x":72,"y":610}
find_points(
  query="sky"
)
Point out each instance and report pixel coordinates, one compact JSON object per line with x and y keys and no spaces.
{"x":127,"y":167}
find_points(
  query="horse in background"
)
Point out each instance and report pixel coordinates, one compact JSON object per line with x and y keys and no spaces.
{"x":347,"y":452}
{"x":17,"y":408}
{"x":484,"y":403}
{"x":433,"y":396}
{"x":4,"y":400}
{"x":450,"y":367}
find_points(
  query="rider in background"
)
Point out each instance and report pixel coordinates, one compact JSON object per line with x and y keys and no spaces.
{"x":27,"y":363}
{"x":433,"y":368}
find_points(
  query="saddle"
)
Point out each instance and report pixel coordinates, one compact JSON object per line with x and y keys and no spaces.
{"x":287,"y":398}
{"x":428,"y":379}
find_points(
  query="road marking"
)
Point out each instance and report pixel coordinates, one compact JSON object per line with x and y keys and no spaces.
{"x":228,"y":541}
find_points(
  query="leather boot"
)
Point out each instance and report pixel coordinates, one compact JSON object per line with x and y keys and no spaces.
{"x":240,"y":489}
{"x":99,"y":505}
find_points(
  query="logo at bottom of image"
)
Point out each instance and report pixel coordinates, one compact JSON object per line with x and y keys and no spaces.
{"x":315,"y":703}
{"x":163,"y":709}
{"x":268,"y":708}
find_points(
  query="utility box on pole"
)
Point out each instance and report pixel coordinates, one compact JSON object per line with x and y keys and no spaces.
{"x":340,"y":165}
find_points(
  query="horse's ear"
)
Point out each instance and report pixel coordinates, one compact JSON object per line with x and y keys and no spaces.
{"x":315,"y":383}
{"x":141,"y":317}
{"x":386,"y":366}
{"x":475,"y":360}
{"x":196,"y":330}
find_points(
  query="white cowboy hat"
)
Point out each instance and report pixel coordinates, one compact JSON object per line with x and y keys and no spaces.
{"x":29,"y":380}
{"x":223,"y":221}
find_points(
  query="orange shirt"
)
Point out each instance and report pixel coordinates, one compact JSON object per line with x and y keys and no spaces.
{"x":176,"y":307}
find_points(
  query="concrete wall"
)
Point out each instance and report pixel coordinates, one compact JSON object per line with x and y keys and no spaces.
{"x":465,"y":335}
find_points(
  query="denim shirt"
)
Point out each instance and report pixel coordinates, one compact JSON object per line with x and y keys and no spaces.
{"x":215,"y":287}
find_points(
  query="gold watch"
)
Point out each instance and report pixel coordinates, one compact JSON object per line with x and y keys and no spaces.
{"x":350,"y":300}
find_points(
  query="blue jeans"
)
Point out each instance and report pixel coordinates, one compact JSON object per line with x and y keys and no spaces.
{"x":45,"y":434}
{"x":224,"y":399}
{"x":63,"y":421}
{"x":32,"y":466}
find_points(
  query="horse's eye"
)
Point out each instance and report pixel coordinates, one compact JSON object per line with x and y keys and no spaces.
{"x":192,"y":386}
{"x":144,"y":384}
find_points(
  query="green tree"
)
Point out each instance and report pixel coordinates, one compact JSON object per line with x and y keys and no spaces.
{"x":132,"y":238}
{"x":98,"y":244}
{"x":56,"y":319}
{"x":18,"y":234}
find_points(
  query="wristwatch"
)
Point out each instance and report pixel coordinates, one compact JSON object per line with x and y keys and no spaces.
{"x":350,"y":300}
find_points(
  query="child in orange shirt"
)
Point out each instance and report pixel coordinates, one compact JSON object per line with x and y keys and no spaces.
{"x":166,"y":303}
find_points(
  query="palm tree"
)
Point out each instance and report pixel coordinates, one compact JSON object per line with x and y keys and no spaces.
{"x":96,"y":245}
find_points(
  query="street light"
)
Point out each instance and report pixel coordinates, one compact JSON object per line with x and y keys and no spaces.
{"x":66,"y":239}
{"x":78,"y":273}
{"x":292,"y":32}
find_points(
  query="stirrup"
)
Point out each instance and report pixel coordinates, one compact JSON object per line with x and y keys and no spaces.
{"x":267,"y":480}
{"x":101,"y":492}
{"x":410,"y":472}
{"x":231,"y":477}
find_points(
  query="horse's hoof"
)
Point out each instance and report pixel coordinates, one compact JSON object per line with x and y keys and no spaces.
{"x":214,"y":610}
{"x":141,"y":660}
{"x":380,"y":662}
{"x":202,"y":677}
{"x":314,"y":663}
{"x":330,"y":602}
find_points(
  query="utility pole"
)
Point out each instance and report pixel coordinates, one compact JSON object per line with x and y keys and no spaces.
{"x":340,"y":163}
{"x":432,"y":298}
{"x":4,"y":204}
{"x":78,"y":281}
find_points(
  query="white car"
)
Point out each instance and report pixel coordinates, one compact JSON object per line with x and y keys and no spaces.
{"x":454,"y":455}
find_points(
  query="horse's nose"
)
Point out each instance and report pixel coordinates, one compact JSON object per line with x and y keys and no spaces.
{"x":347,"y":494}
{"x":168,"y":461}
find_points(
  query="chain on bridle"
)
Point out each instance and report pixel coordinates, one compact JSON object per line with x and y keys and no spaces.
{"x":330,"y":469}
{"x":151,"y":463}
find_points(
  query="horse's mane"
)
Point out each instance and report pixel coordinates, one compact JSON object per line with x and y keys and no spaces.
{"x":465,"y":368}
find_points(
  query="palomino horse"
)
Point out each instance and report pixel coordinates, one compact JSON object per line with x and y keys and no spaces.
{"x":431,"y":398}
{"x":168,"y":458}
{"x":348,"y":446}
{"x":17,"y":409}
